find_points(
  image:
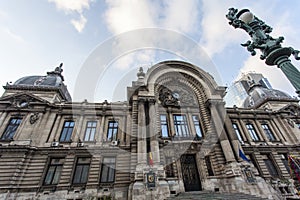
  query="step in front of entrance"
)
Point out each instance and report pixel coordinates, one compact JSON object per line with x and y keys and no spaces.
{"x":207,"y":195}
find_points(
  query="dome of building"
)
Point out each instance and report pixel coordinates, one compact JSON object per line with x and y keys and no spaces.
{"x":259,"y":94}
{"x":47,"y":81}
{"x":53,"y":81}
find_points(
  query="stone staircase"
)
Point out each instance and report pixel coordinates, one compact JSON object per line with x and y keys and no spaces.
{"x":208,"y":195}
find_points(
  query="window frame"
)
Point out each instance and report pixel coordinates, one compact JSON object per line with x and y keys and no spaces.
{"x":271,"y":166}
{"x":82,"y":166}
{"x":164,"y":123}
{"x":181,"y":127}
{"x":268,"y":132}
{"x":67,"y":131}
{"x":112,"y":130}
{"x":169,"y":167}
{"x":110,"y":168}
{"x":252,"y":132}
{"x":90,"y":130}
{"x":11,"y":129}
{"x":198,"y":128}
{"x":238,"y":133}
{"x":56,"y":166}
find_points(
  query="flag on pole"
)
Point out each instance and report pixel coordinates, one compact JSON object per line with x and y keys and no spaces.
{"x":294,"y":164}
{"x":243,"y":156}
{"x":150,"y":159}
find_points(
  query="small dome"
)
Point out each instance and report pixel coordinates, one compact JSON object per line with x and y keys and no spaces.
{"x":259,"y":94}
{"x":48,"y":81}
{"x":53,"y":81}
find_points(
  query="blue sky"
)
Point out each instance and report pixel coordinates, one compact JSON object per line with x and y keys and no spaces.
{"x":37,"y":35}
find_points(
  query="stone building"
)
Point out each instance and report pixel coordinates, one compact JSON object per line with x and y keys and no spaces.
{"x":173,"y":135}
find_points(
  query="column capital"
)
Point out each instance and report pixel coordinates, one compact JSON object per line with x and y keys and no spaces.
{"x":214,"y":102}
{"x":151,"y":101}
{"x":142,"y":100}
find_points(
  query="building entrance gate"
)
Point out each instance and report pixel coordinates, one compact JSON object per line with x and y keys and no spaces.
{"x":190,"y":173}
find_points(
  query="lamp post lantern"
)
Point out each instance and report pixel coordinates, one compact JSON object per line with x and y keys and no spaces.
{"x":272,"y":51}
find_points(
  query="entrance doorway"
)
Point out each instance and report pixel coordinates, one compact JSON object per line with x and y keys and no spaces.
{"x":190,"y":173}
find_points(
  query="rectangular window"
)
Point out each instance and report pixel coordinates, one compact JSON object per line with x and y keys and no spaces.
{"x":270,"y":166}
{"x":54,"y":171}
{"x":181,"y":126}
{"x":208,"y":163}
{"x":197,"y":126}
{"x":169,"y":167}
{"x":112,"y":131}
{"x":252,"y":132}
{"x":164,"y":126}
{"x":108,"y":170}
{"x":90,"y":131}
{"x":67,"y":131}
{"x":11,"y":129}
{"x":237,"y":132}
{"x":284,"y":159}
{"x":81,"y":170}
{"x":268,"y":132}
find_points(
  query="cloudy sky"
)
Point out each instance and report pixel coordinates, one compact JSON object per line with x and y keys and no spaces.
{"x":102,"y":43}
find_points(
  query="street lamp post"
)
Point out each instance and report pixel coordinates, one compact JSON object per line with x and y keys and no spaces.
{"x":272,"y":51}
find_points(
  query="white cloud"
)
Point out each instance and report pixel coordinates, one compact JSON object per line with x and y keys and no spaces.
{"x":181,"y":15}
{"x":216,"y":32}
{"x":124,"y":15}
{"x":74,"y":6}
{"x":71,"y":5}
{"x":79,"y":24}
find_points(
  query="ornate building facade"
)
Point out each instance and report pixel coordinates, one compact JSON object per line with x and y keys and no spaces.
{"x":172,"y":135}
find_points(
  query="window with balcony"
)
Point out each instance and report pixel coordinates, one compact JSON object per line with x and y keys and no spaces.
{"x":252,"y":132}
{"x":108,"y":170}
{"x":90,"y":131}
{"x":237,"y":132}
{"x":54,"y":171}
{"x":112,"y":131}
{"x":164,"y":126}
{"x":268,"y":132}
{"x":81,"y":170}
{"x":67,"y":130}
{"x":181,"y":126}
{"x":11,"y":129}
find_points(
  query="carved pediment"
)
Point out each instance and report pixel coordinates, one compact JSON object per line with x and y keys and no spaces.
{"x":22,"y":100}
{"x":292,"y":110}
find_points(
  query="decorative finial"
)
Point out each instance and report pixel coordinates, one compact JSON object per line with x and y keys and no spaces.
{"x":59,"y":68}
{"x":141,"y":74}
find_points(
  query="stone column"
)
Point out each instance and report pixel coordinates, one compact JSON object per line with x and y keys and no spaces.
{"x":218,"y":119}
{"x":153,"y":132}
{"x":277,"y":131}
{"x":232,"y":136}
{"x":142,"y":143}
{"x":102,"y":135}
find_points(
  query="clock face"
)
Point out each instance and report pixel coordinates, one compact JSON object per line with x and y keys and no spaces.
{"x":176,"y":95}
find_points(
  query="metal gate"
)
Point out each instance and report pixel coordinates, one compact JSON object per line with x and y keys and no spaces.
{"x":190,"y":173}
